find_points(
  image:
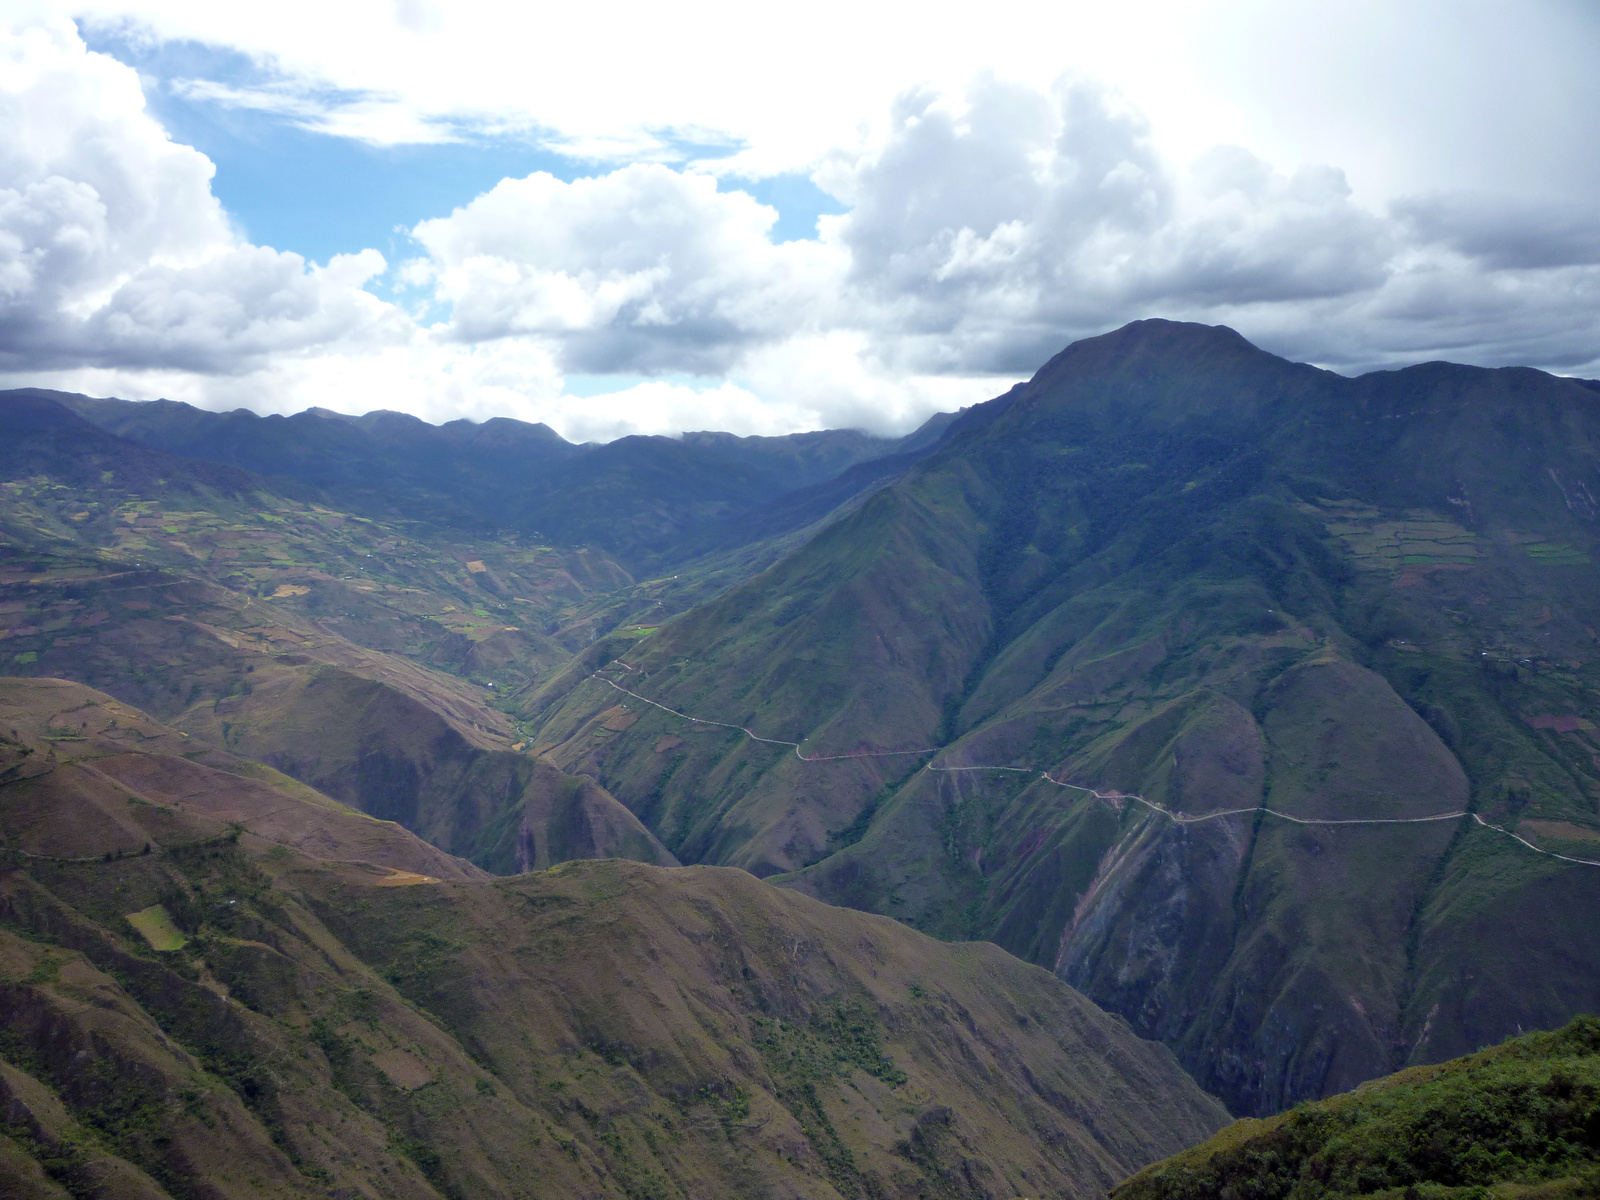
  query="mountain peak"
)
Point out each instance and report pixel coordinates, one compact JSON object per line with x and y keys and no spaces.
{"x":1158,"y":371}
{"x":1185,"y":343}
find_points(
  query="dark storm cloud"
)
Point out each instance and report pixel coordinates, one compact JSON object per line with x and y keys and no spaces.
{"x":1505,"y":232}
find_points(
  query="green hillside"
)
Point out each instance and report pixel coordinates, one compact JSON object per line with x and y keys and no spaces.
{"x":1176,"y":567}
{"x":1521,"y":1120}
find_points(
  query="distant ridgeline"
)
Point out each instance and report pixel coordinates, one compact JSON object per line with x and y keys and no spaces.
{"x":1256,"y":702}
{"x":647,"y":500}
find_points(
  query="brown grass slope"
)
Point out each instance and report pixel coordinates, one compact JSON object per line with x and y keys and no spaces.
{"x":387,"y":753}
{"x":383,"y":733}
{"x":85,"y":775}
{"x":283,"y":1020}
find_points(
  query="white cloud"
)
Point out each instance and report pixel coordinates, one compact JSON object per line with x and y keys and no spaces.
{"x":1406,"y":98}
{"x":113,"y":249}
{"x":91,"y":190}
{"x":646,"y":269}
{"x":989,"y":224}
{"x":990,"y":230}
{"x":376,"y":120}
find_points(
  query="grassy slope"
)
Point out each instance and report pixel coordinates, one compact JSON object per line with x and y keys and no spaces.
{"x":1522,"y":1119}
{"x":605,"y":1029}
{"x":1177,"y":566}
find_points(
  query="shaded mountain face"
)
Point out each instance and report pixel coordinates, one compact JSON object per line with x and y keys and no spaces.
{"x":1522,"y":1119}
{"x":220,"y":982}
{"x":406,"y":757}
{"x":649,"y":500}
{"x":457,"y":472}
{"x":1108,"y":676}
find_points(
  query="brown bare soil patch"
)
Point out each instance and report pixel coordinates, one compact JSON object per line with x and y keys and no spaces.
{"x":406,"y":1071}
{"x":405,"y":879}
{"x":618,"y":718}
{"x":1565,"y":723}
{"x":1565,"y":830}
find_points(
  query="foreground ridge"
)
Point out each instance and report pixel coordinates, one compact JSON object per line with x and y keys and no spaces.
{"x":1113,"y":798}
{"x":1520,"y":1118}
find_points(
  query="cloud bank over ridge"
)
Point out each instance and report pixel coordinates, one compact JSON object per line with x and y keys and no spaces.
{"x":986,"y":226}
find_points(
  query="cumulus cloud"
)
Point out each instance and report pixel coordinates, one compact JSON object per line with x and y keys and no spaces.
{"x":996,"y":227}
{"x":113,"y":249}
{"x":643,"y":270}
{"x":984,"y":230}
{"x":92,"y":190}
{"x":982,"y":217}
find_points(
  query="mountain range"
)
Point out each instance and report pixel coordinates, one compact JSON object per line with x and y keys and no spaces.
{"x":1174,"y":567}
{"x":1254,"y":702}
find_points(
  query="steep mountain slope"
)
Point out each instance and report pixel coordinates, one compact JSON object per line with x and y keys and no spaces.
{"x":282,"y":627}
{"x":218,"y":982}
{"x":1522,"y":1119}
{"x":1157,"y":671}
{"x":387,"y":752}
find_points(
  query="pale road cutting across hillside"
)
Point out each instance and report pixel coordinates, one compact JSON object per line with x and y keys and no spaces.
{"x":1107,"y":797}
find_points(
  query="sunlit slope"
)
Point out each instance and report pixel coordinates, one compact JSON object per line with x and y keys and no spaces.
{"x":218,"y":982}
{"x":1175,"y":566}
{"x":1522,"y":1119}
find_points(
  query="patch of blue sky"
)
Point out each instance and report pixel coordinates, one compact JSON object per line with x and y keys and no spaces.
{"x":800,"y":203}
{"x":319,"y":195}
{"x":313,"y":193}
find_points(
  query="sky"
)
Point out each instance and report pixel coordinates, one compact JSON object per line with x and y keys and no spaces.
{"x":647,"y":218}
